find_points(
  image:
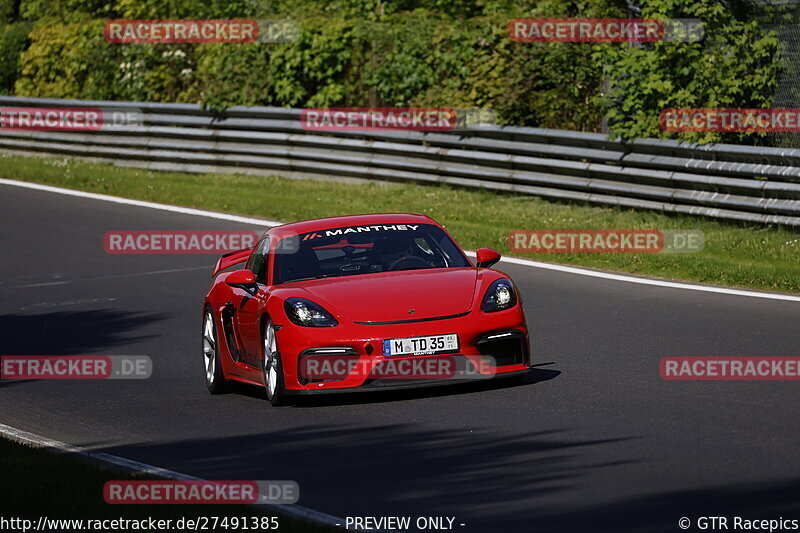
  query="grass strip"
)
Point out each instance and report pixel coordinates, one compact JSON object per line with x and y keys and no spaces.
{"x":752,"y":256}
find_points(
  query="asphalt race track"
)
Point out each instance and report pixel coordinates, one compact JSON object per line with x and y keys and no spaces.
{"x":594,"y":440}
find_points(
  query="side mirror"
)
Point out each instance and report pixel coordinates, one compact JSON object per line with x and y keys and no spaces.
{"x":487,"y":257}
{"x":243,"y":279}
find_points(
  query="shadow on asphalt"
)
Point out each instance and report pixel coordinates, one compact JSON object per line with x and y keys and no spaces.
{"x":399,"y":468}
{"x":662,"y":512}
{"x":493,"y":483}
{"x":70,"y":333}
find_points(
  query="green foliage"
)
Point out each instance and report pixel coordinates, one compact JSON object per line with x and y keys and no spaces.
{"x":183,"y":9}
{"x":8,"y":10}
{"x":67,"y":60}
{"x":410,"y":54}
{"x":66,"y":10}
{"x":409,"y":59}
{"x":427,"y":60}
{"x":736,"y":65}
{"x":407,"y":53}
{"x":233,"y":74}
{"x":13,"y":40}
{"x":156,"y":72}
{"x":310,"y":71}
{"x":471,"y":66}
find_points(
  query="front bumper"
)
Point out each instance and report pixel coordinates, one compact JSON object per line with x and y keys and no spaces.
{"x":490,"y":345}
{"x":396,"y":384}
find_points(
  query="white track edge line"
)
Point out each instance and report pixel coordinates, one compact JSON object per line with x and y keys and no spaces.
{"x":513,"y":260}
{"x":647,"y":281}
{"x":37,"y":441}
{"x":141,"y":203}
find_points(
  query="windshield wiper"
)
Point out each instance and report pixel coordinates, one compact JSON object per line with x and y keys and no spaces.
{"x":314,"y":277}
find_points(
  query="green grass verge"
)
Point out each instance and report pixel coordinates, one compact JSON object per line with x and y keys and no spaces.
{"x":41,"y":482}
{"x":745,"y":256}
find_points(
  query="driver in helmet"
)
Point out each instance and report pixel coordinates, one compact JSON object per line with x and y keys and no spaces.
{"x":390,"y":250}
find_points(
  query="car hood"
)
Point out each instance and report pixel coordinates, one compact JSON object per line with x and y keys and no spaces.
{"x":390,"y":296}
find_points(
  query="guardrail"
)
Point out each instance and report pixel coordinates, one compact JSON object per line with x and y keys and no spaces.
{"x":731,"y":182}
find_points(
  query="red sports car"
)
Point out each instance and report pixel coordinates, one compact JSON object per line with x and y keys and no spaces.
{"x":360,"y":303}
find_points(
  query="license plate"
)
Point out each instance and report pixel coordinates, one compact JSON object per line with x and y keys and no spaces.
{"x":427,"y":345}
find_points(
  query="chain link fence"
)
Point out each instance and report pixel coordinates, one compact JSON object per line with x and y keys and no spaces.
{"x":783,"y":16}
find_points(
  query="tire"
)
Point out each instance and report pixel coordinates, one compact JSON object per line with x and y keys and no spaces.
{"x":215,"y":377}
{"x":274,"y":381}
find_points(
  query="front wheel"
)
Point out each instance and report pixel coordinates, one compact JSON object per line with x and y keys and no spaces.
{"x":273,"y":368}
{"x":215,"y":377}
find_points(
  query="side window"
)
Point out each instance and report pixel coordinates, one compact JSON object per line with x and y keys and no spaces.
{"x":257,"y":264}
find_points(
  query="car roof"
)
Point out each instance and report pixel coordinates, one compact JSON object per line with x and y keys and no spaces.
{"x":306,"y":226}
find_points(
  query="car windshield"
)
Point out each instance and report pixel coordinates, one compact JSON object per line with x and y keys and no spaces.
{"x":353,"y":250}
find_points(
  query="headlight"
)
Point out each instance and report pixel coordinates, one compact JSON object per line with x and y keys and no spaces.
{"x":500,"y":295}
{"x":306,"y":313}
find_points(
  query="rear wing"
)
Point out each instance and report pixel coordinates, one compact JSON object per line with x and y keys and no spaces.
{"x":230,"y":259}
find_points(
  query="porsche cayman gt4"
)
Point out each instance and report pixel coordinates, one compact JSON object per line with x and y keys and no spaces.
{"x":360,"y":303}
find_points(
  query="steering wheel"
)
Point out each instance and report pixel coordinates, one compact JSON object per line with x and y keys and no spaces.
{"x":410,"y":259}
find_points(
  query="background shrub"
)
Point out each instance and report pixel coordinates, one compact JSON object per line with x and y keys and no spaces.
{"x":68,"y":60}
{"x":13,"y":41}
{"x":405,"y":53}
